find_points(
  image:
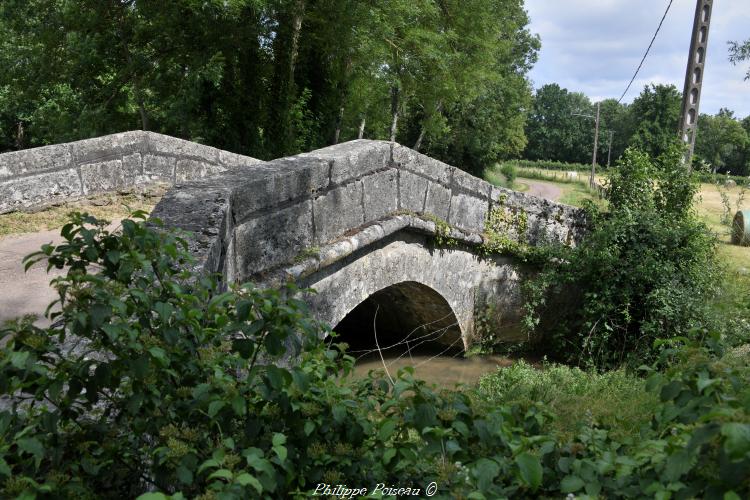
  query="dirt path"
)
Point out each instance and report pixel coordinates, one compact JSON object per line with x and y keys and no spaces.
{"x":543,"y":189}
{"x":27,"y":292}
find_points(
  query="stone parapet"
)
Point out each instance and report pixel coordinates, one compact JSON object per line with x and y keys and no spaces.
{"x":49,"y":174}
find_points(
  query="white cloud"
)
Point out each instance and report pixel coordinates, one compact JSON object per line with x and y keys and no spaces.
{"x":594,"y":46}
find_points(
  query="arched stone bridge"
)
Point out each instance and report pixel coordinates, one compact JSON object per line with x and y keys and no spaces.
{"x":371,"y":225}
{"x":374,"y":227}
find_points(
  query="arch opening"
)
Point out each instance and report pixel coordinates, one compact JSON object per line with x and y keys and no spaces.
{"x":408,"y":319}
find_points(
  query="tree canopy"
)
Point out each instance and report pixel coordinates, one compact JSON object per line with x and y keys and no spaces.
{"x":269,"y":78}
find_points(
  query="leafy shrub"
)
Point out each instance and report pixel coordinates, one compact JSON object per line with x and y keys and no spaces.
{"x":645,"y":272}
{"x":154,"y":380}
{"x":510,"y":173}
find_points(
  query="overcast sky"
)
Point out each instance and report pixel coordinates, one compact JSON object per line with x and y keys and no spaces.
{"x":594,"y":46}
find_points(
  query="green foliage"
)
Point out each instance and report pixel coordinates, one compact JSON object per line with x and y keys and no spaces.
{"x":656,"y":115}
{"x":152,"y":381}
{"x":510,"y":173}
{"x":723,"y":143}
{"x":269,"y":78}
{"x":739,"y":52}
{"x":645,"y":272}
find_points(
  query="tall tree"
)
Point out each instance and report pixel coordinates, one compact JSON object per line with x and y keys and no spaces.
{"x":738,"y":52}
{"x":656,"y":113}
{"x":722,"y":142}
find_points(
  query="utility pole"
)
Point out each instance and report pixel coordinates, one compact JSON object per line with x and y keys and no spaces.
{"x":592,"y":180}
{"x":609,"y":150}
{"x":694,"y":73}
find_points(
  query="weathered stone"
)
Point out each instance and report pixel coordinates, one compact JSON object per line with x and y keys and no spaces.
{"x":109,"y":175}
{"x":272,"y":239}
{"x":353,"y":159}
{"x":473,"y":185}
{"x":438,"y":201}
{"x":232,"y":160}
{"x":380,"y":194}
{"x":39,"y":189}
{"x":412,"y":191}
{"x":188,"y":170}
{"x":166,"y":145}
{"x":468,"y":212}
{"x":35,"y":160}
{"x":159,"y":167}
{"x":108,"y":147}
{"x":278,"y":182}
{"x":338,"y":211}
{"x":425,"y":166}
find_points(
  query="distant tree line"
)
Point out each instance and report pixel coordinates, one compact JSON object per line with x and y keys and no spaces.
{"x":556,"y":129}
{"x":270,"y":78}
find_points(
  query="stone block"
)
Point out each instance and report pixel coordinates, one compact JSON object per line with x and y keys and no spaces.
{"x":232,"y":160}
{"x":273,"y":183}
{"x":160,"y":168}
{"x":353,"y":159}
{"x":412,"y":191}
{"x":188,"y":170}
{"x":272,"y":239}
{"x":166,"y":145}
{"x":35,"y":160}
{"x":109,"y":176}
{"x":108,"y":147}
{"x":473,"y":185}
{"x":418,"y":163}
{"x":380,"y":194}
{"x":438,"y":201}
{"x":338,"y":211}
{"x":468,"y":212}
{"x":39,"y":189}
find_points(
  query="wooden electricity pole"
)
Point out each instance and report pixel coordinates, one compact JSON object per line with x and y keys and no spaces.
{"x":592,"y":180}
{"x":694,"y":73}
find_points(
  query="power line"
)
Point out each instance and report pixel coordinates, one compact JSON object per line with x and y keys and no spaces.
{"x":647,"y":51}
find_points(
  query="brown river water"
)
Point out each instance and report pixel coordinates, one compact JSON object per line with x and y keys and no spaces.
{"x":444,"y":370}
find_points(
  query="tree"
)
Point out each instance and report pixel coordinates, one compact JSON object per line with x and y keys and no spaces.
{"x":739,"y":52}
{"x":555,"y":129}
{"x":656,"y":113}
{"x":615,"y":118}
{"x":722,"y":142}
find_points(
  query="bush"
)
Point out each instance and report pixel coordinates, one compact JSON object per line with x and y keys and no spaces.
{"x":645,"y":272}
{"x":510,"y":173}
{"x":153,"y":382}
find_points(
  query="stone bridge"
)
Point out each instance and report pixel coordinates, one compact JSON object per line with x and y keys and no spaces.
{"x":374,"y":227}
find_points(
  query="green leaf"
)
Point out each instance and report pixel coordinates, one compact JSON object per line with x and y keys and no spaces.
{"x":159,"y":354}
{"x":280,"y":452}
{"x":339,"y":413}
{"x":571,"y":484}
{"x":184,"y":475}
{"x":245,"y":479}
{"x":221,"y":474}
{"x":677,"y":464}
{"x":485,"y":470}
{"x":386,"y":430}
{"x":530,"y":468}
{"x":33,"y":447}
{"x":215,"y":407}
{"x":153,"y":496}
{"x":736,"y":439}
{"x":278,"y":439}
{"x":309,"y":427}
{"x":388,"y":455}
{"x":244,"y":347}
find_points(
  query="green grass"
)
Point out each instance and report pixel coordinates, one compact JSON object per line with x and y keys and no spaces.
{"x":614,"y":399}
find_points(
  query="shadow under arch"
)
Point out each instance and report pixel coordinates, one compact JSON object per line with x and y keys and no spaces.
{"x":406,"y":316}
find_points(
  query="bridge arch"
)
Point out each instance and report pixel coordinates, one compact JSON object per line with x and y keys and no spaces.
{"x":401,"y":316}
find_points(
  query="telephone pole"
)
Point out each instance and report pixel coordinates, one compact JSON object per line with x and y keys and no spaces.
{"x":694,"y":73}
{"x":592,"y":180}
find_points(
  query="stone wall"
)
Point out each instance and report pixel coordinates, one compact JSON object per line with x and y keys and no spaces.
{"x":48,"y":174}
{"x":254,"y":224}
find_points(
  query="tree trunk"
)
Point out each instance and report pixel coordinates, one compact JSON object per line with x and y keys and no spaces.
{"x":299,"y":14}
{"x":394,"y":112}
{"x":19,"y":135}
{"x":141,"y":106}
{"x":339,"y":122}
{"x":418,"y":144}
{"x":361,"y":128}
